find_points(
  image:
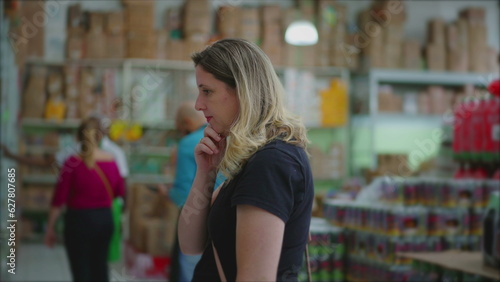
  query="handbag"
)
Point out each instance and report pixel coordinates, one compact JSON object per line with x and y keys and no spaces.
{"x":223,"y":276}
{"x":114,"y":253}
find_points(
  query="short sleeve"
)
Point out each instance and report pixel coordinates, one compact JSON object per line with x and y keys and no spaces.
{"x":268,"y":181}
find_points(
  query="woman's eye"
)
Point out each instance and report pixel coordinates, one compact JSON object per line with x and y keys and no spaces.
{"x":207,"y":91}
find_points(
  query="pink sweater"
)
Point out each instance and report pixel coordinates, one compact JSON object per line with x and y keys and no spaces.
{"x":81,"y":188}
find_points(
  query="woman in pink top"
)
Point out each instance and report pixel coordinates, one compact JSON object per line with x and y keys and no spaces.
{"x":86,"y":185}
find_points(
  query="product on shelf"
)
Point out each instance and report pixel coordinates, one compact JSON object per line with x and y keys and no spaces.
{"x":326,"y":252}
{"x":491,"y":235}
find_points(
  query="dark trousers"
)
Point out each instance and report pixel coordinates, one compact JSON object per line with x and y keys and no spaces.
{"x":87,"y":235}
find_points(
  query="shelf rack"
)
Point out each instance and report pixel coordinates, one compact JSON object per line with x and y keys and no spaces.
{"x":375,"y":77}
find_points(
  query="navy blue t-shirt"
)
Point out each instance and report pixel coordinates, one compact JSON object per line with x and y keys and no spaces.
{"x":278,"y":179}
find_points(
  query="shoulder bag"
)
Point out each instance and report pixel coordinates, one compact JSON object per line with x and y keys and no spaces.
{"x":114,"y":253}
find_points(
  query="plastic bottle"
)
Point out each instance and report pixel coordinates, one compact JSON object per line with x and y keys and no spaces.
{"x":477,"y":128}
{"x":458,"y":129}
{"x":492,"y":130}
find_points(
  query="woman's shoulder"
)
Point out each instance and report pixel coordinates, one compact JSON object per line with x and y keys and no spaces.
{"x":102,"y":156}
{"x":278,"y":150}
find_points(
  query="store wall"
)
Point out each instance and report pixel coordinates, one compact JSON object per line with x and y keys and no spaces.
{"x":419,"y":13}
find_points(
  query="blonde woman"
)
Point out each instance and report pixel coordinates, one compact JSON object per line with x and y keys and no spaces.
{"x":87,"y":184}
{"x":255,"y":226}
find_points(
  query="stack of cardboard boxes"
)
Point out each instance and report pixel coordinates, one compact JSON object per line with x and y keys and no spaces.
{"x":392,"y":164}
{"x":115,"y":31}
{"x":461,"y":46}
{"x":228,"y":21}
{"x":272,"y":33}
{"x":481,"y":57}
{"x":139,"y":26}
{"x":330,"y":164}
{"x":34,"y":93}
{"x":250,"y":24}
{"x":152,"y":221}
{"x":74,"y":33}
{"x":381,"y":35}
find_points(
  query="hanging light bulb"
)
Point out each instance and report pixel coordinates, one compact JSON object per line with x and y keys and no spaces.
{"x":301,"y":33}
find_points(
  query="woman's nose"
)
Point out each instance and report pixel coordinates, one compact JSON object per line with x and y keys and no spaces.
{"x":198,"y":105}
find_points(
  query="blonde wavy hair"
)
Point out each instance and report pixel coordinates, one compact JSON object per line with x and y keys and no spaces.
{"x":263,"y":116}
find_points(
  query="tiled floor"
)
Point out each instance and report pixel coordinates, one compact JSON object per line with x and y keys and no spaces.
{"x":36,"y":262}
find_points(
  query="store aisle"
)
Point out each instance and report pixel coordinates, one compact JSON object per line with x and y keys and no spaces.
{"x":36,"y":262}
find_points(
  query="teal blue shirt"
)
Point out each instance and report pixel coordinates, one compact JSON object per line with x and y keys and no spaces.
{"x":186,"y":167}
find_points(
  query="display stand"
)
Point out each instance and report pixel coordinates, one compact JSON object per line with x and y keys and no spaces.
{"x":469,"y":262}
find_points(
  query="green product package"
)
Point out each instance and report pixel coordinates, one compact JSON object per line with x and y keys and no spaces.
{"x":115,"y":250}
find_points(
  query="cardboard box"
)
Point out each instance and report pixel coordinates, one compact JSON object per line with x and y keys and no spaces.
{"x":141,"y":45}
{"x":72,"y":111}
{"x":116,"y":46}
{"x":249,"y":24}
{"x":436,"y":32}
{"x":272,"y":34}
{"x":139,"y":15}
{"x":457,"y":60}
{"x":95,"y":45}
{"x":411,"y":58}
{"x":71,"y":74}
{"x":95,"y":22}
{"x":439,"y":99}
{"x":271,"y":14}
{"x":274,"y":52}
{"x":75,"y":16}
{"x":388,"y":101}
{"x":115,"y":24}
{"x":492,"y":60}
{"x":228,"y":21}
{"x":175,"y":50}
{"x":477,"y":47}
{"x":34,"y":97}
{"x":197,"y":20}
{"x":159,"y":237}
{"x":424,"y":103}
{"x":328,"y":165}
{"x":30,"y":34}
{"x":75,"y":47}
{"x":435,"y":57}
{"x":474,"y":15}
{"x":393,"y":11}
{"x":86,"y":99}
{"x":391,"y":164}
{"x":192,"y":46}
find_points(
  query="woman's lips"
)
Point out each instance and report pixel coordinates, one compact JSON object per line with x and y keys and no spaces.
{"x":208,"y":119}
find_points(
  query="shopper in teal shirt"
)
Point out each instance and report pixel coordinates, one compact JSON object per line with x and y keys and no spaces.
{"x":190,"y":124}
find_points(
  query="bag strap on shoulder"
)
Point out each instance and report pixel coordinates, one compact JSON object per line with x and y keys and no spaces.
{"x":105,"y":181}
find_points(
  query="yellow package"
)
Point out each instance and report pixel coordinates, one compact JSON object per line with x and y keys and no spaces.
{"x":55,"y":108}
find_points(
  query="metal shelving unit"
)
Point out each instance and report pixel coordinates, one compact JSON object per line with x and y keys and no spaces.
{"x":369,"y":83}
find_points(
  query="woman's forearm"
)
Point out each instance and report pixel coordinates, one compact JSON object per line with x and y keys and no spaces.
{"x":53,"y":216}
{"x":193,"y":218}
